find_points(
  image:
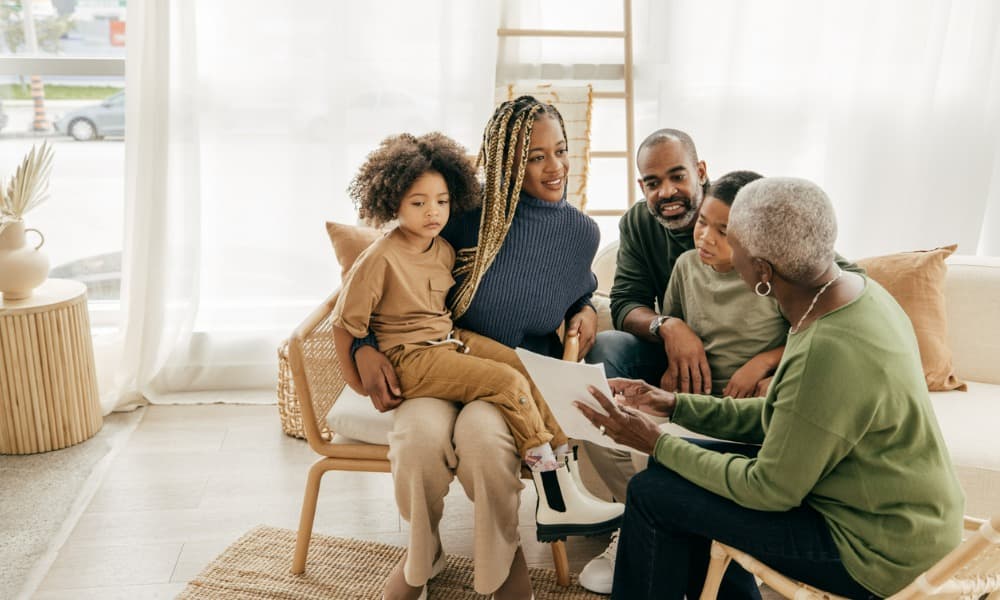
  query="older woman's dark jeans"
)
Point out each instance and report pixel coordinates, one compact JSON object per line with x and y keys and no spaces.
{"x":669,"y":525}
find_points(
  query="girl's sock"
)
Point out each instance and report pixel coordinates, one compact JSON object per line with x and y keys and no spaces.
{"x":541,"y":458}
{"x":562,"y":450}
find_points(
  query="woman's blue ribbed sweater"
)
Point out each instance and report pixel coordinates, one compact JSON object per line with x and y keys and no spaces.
{"x":540,"y":276}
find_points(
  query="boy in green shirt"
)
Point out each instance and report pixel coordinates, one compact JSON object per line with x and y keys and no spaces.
{"x":743,"y":333}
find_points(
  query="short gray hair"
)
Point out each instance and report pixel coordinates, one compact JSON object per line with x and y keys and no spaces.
{"x":788,"y":222}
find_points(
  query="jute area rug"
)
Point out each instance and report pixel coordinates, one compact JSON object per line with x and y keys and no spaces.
{"x":258,"y":566}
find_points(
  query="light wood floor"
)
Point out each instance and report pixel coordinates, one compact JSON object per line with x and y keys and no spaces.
{"x":192,"y":479}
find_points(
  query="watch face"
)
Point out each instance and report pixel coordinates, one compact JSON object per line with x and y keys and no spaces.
{"x":655,"y":325}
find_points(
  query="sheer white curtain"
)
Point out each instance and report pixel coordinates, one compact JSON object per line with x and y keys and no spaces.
{"x":246,"y":122}
{"x":893,"y":106}
{"x":247,"y":119}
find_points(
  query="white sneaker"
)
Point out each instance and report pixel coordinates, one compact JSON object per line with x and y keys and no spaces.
{"x":564,"y":510}
{"x":599,"y":573}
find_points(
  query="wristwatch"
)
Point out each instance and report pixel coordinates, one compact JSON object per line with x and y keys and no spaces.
{"x":654,"y":325}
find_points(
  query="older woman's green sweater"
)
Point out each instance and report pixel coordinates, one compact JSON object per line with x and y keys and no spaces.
{"x":846,"y":428}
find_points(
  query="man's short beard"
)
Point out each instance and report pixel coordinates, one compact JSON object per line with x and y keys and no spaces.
{"x":679,"y":223}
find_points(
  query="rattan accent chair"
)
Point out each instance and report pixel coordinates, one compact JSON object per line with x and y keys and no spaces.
{"x":318,"y":383}
{"x":972,"y":570}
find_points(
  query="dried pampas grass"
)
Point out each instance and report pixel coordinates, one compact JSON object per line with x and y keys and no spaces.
{"x":28,"y":187}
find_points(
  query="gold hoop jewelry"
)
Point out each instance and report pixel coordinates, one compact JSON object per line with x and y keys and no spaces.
{"x":767,"y":292}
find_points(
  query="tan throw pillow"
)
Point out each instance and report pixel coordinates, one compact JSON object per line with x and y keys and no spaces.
{"x":349,"y":241}
{"x":916,"y":281}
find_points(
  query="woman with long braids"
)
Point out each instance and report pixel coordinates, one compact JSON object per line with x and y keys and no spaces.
{"x":522,"y":269}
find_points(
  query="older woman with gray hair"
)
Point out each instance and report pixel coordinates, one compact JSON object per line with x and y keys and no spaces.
{"x":838,"y":478}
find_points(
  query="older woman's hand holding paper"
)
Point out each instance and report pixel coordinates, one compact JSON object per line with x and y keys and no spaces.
{"x":624,"y":424}
{"x":650,"y":399}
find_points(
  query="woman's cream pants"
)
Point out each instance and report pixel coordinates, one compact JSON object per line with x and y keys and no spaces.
{"x":431,"y":442}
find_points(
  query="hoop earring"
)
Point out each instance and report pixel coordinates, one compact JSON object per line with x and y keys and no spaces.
{"x":767,"y":292}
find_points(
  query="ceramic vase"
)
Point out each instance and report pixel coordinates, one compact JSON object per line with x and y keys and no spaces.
{"x":23,"y":267}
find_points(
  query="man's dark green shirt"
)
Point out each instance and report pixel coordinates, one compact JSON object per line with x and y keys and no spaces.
{"x":647,"y":252}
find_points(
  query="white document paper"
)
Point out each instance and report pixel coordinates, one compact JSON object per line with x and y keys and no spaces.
{"x":561,"y":383}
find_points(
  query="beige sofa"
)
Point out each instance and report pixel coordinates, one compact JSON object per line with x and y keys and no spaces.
{"x":970,"y":421}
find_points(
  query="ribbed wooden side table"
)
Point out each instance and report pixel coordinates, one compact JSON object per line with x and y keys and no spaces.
{"x":48,"y":388}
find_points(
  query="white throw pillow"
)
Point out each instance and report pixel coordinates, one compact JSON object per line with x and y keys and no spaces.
{"x":353,"y":416}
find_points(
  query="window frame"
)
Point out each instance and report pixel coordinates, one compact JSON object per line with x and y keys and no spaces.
{"x":61,"y":65}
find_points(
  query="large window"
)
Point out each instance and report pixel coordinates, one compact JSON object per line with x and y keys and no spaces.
{"x":62,"y":66}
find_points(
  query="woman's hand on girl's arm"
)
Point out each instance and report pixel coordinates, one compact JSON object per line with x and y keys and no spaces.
{"x":584,"y":324}
{"x":622,"y":424}
{"x":752,"y":378}
{"x":378,"y":378}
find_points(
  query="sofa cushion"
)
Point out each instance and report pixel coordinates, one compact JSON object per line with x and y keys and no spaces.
{"x":353,"y":416}
{"x":968,"y":423}
{"x":604,"y":267}
{"x":973,"y":289}
{"x":602,"y":304}
{"x":916,"y":281}
{"x":349,"y":241}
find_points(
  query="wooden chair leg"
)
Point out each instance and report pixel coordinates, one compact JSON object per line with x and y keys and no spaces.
{"x":561,"y":562}
{"x":308,"y":515}
{"x":716,"y":569}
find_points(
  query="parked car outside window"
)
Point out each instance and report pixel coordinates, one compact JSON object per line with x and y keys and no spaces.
{"x":95,"y":122}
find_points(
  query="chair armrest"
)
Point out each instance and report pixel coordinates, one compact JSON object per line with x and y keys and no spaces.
{"x":315,"y":370}
{"x":571,"y":348}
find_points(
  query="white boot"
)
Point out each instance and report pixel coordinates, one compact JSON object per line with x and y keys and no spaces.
{"x":599,"y":573}
{"x":564,"y":510}
{"x":574,"y":468}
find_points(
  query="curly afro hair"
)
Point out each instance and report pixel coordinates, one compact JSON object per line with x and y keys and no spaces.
{"x":399,"y":161}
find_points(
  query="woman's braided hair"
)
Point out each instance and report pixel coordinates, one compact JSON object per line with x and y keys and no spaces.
{"x":504,"y":162}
